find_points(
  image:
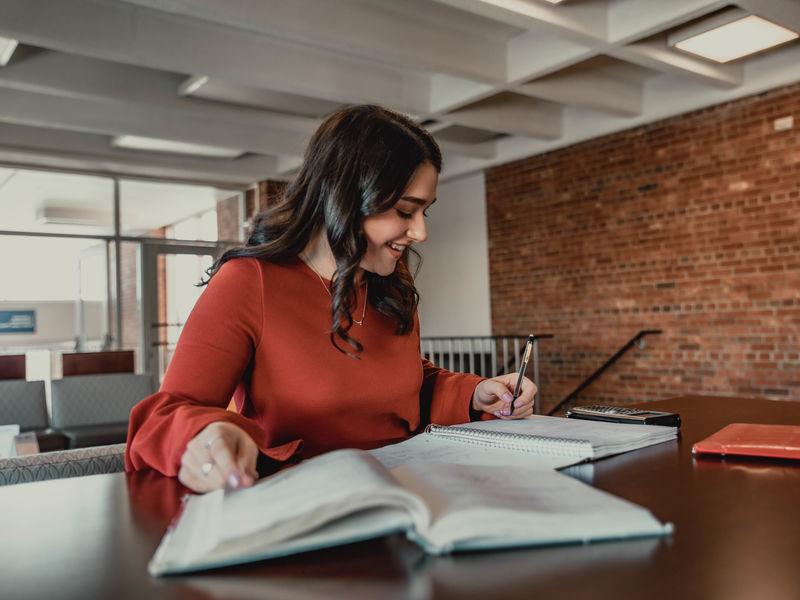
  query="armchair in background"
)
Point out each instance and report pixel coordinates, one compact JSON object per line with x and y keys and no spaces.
{"x":93,"y":410}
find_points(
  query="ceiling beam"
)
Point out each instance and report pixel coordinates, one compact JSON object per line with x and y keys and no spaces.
{"x":368,"y":30}
{"x":656,"y":55}
{"x":634,"y":20}
{"x":579,"y":22}
{"x":36,"y":147}
{"x":7,"y":48}
{"x":449,"y":93}
{"x":558,"y":39}
{"x":105,"y":116}
{"x":511,"y":114}
{"x":589,"y":90}
{"x":129,"y":34}
{"x":483,"y":150}
{"x":72,"y":76}
{"x":535,"y":54}
{"x":783,"y":12}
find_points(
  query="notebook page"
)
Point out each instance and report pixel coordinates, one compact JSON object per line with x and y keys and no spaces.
{"x":605,"y":438}
{"x":435,"y":449}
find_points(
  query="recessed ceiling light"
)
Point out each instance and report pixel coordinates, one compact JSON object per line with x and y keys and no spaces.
{"x":7,"y":47}
{"x":135,"y":142}
{"x":192,"y":84}
{"x":730,"y":35}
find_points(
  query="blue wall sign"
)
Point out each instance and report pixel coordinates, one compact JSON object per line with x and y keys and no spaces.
{"x":17,"y":321}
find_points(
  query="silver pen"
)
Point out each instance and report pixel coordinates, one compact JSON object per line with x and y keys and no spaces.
{"x":525,"y":358}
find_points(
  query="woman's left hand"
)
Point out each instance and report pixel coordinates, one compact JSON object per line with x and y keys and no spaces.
{"x":494,"y":396}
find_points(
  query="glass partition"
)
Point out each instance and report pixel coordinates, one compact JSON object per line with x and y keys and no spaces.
{"x":55,"y":291}
{"x":179,"y":211}
{"x":56,"y":203}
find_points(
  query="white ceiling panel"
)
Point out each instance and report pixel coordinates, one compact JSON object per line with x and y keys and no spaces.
{"x":500,"y":79}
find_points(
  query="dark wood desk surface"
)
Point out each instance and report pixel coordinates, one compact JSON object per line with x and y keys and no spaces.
{"x":737,"y":535}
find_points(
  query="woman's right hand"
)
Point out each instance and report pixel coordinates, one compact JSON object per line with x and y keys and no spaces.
{"x":220,"y":455}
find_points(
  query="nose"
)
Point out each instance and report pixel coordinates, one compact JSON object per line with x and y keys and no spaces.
{"x":417,"y":230}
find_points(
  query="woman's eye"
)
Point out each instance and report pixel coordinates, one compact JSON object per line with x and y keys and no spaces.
{"x":404,"y":215}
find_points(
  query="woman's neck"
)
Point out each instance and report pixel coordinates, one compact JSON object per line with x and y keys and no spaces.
{"x":318,"y":255}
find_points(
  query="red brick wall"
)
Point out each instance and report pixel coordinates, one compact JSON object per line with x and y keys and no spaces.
{"x":228,"y":219}
{"x":689,"y":225}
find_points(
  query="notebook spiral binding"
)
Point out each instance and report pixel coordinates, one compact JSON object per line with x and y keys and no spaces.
{"x":535,"y":444}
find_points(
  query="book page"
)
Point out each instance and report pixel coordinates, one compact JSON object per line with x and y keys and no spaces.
{"x":309,"y":494}
{"x":234,"y":526}
{"x":435,"y":449}
{"x":478,"y":506}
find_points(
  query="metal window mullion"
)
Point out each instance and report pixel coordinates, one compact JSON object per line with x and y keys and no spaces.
{"x":117,"y":266}
{"x":537,"y":400}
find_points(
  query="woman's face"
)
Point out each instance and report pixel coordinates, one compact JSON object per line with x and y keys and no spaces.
{"x":389,"y":233}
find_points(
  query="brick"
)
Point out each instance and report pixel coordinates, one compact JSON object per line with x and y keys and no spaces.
{"x":688,"y":225}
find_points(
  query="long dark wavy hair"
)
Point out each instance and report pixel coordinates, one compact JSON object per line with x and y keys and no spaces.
{"x":357,"y":164}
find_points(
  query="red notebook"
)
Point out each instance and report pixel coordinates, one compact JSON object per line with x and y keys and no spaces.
{"x":746,"y":439}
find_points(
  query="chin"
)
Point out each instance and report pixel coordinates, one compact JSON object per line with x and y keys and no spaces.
{"x":382,"y":270}
{"x":385,"y":271}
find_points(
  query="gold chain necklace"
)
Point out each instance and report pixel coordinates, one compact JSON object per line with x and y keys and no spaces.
{"x":310,"y":263}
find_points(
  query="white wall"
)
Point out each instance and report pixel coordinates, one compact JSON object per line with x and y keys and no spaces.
{"x":454,"y":280}
{"x":55,"y":324}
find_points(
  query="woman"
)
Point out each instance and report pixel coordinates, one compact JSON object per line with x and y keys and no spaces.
{"x":312,"y":326}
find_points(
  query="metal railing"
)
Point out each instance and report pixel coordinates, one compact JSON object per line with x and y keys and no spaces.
{"x":487,"y":356}
{"x":637,"y":339}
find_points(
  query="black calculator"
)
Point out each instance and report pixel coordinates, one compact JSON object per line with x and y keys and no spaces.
{"x":622,"y":414}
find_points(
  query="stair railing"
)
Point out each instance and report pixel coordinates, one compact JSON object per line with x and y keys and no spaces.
{"x":637,"y":339}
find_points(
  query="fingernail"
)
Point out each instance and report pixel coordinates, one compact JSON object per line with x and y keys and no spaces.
{"x":506,"y":411}
{"x":507,"y":397}
{"x":234,"y":481}
{"x":497,"y":413}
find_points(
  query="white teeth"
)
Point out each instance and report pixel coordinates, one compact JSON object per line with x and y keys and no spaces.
{"x":396,"y":247}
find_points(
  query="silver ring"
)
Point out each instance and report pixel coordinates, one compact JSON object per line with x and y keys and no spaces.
{"x":206,"y":468}
{"x":210,"y":442}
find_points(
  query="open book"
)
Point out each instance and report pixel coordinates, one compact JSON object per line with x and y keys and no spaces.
{"x":441,"y":507}
{"x":545,"y":442}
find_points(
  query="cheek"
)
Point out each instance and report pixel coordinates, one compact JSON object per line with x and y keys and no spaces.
{"x":382,"y":229}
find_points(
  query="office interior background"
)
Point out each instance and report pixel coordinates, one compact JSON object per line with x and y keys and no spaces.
{"x":608,"y":170}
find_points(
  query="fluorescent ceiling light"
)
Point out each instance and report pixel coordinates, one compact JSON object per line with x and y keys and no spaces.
{"x":730,"y":35}
{"x":135,"y":142}
{"x":192,"y":84}
{"x":7,"y":47}
{"x":519,"y":6}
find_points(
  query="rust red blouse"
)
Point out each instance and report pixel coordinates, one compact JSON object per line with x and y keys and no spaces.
{"x":259,"y":334}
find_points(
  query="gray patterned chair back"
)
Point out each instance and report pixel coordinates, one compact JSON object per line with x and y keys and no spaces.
{"x":23,"y":403}
{"x":58,"y":465}
{"x":97,"y":399}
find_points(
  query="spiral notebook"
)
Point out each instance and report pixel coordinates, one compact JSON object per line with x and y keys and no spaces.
{"x":548,"y":442}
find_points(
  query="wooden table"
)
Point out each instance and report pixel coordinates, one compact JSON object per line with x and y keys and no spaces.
{"x":737,"y":535}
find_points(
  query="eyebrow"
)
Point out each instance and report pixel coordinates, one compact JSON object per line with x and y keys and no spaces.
{"x":416,"y":200}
